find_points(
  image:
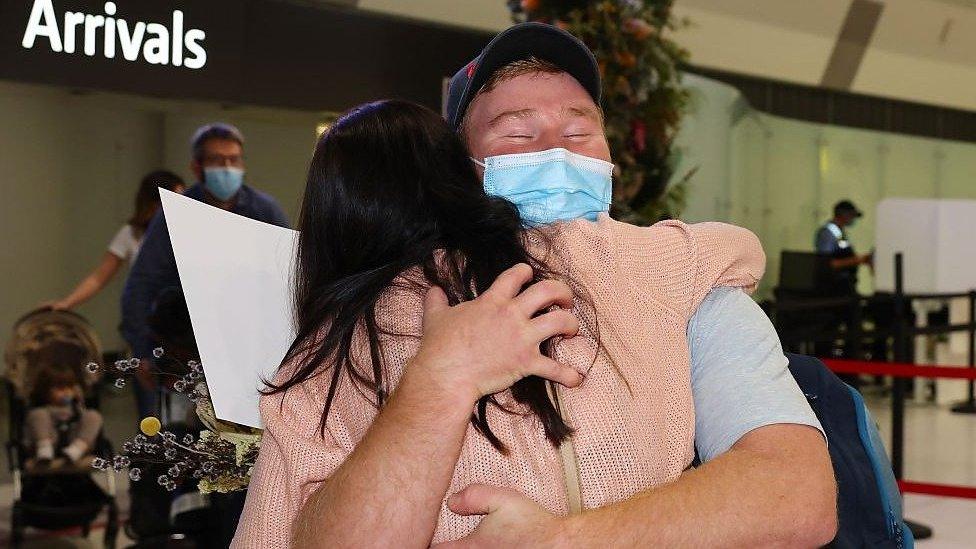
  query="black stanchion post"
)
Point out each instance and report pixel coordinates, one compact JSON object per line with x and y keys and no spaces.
{"x":898,"y":390}
{"x":919,"y":531}
{"x":969,"y":405}
{"x":855,"y":344}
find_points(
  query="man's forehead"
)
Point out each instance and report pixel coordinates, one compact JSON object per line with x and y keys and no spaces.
{"x":221,"y":143}
{"x":499,"y":116}
{"x":537,"y":93}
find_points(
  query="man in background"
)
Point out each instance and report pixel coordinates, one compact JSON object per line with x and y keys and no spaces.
{"x":218,"y":168}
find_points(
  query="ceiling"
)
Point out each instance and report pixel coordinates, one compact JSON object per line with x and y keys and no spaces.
{"x":920,"y":50}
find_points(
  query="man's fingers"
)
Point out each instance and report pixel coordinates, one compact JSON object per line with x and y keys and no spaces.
{"x":543,"y":295}
{"x":435,"y":300}
{"x":476,"y":499}
{"x":548,"y":368}
{"x":555,"y":323}
{"x":510,"y":282}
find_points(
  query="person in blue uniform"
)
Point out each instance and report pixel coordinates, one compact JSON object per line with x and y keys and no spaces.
{"x":831,"y":240}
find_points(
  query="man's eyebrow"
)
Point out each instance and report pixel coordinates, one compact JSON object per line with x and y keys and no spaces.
{"x":592,"y":113}
{"x":521,"y":113}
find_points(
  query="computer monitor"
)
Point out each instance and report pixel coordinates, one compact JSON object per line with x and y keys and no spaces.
{"x":801,"y":271}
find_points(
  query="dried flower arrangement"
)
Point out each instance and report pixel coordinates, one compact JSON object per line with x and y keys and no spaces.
{"x":219,"y":459}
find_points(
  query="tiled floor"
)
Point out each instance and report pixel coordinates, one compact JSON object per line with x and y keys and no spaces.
{"x":951,"y":520}
{"x":940,"y":447}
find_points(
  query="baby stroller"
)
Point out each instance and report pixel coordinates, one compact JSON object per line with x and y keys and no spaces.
{"x":70,"y":498}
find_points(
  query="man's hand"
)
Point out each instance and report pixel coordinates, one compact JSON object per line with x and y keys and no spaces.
{"x":511,"y":520}
{"x":399,"y":472}
{"x":484,"y":346}
{"x":55,"y":305}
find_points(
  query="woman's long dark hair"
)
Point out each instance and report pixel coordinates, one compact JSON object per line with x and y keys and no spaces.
{"x":147,"y":198}
{"x":391,"y":187}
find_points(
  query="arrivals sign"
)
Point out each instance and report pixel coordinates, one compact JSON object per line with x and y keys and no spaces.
{"x":164,"y":48}
{"x":110,"y":34}
{"x":258,"y":52}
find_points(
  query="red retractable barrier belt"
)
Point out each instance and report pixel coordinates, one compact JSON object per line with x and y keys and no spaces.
{"x":846,"y":366}
{"x":937,"y":489}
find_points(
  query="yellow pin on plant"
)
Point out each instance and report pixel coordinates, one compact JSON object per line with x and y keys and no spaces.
{"x":150,"y":426}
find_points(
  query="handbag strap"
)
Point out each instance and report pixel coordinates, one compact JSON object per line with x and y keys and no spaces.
{"x":567,"y":453}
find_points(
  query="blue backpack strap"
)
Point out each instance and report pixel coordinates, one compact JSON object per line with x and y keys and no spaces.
{"x":883,"y":474}
{"x":866,"y":515}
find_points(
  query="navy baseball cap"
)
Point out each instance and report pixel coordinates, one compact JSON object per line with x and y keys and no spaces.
{"x":847,"y":207}
{"x":516,"y":43}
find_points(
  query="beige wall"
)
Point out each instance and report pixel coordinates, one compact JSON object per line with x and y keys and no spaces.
{"x":489,"y":15}
{"x":921,"y":50}
{"x":69,"y":167}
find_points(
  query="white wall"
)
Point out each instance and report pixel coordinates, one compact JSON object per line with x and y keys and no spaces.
{"x":781,"y":178}
{"x":69,"y":168}
{"x":705,"y":147}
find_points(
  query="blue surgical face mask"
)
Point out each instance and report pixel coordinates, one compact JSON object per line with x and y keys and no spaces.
{"x":223,"y":182}
{"x":549,"y":186}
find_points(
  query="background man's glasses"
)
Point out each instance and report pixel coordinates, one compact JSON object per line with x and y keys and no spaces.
{"x":211,"y":160}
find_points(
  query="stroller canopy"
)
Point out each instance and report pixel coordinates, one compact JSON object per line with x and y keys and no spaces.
{"x":39,"y":329}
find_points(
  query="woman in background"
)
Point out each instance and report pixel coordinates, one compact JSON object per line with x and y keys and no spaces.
{"x":124,"y":247}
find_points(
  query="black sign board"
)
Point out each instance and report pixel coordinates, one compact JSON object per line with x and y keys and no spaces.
{"x":259,"y":52}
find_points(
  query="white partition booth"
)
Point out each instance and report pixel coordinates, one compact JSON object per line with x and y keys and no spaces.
{"x":937,"y":238}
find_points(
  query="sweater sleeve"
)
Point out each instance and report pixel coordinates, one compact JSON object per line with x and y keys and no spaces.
{"x":295,"y":458}
{"x":677,"y":264}
{"x":724,"y":256}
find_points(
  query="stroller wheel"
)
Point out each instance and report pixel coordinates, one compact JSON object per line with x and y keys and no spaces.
{"x":130,"y":531}
{"x":111,"y":526}
{"x":16,"y":526}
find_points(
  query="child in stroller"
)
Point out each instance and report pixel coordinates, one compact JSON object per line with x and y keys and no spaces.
{"x":52,"y":402}
{"x":60,"y":430}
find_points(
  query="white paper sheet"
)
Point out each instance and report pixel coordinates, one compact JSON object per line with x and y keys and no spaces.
{"x":236,"y":275}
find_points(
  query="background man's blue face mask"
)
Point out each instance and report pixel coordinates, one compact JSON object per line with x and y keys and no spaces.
{"x":223,"y":182}
{"x":549,"y":186}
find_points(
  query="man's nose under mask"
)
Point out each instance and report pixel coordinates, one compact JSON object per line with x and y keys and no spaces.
{"x":550,"y":186}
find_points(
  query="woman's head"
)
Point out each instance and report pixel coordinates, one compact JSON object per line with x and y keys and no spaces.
{"x":391,"y":187}
{"x":147,"y":197}
{"x":389,"y":183}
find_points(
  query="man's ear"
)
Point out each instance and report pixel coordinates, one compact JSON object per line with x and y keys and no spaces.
{"x":197,"y":170}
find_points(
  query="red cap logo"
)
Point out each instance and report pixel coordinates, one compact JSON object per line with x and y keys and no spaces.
{"x":471,"y":67}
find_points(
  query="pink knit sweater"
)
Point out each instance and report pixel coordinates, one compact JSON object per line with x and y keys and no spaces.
{"x":634,"y":416}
